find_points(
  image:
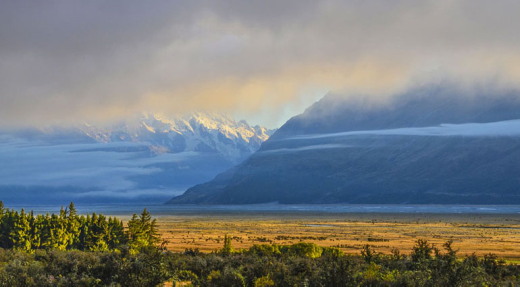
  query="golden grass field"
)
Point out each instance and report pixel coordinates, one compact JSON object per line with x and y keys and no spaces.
{"x":479,"y":234}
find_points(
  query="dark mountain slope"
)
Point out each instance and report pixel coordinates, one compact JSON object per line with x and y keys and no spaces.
{"x":344,"y":152}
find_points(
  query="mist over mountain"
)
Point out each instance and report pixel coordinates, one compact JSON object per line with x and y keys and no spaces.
{"x":433,"y":144}
{"x":146,"y":158}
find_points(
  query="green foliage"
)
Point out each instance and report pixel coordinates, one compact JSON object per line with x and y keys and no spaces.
{"x":264,"y":281}
{"x":264,"y":250}
{"x":368,"y":253}
{"x":303,"y":249}
{"x":142,"y":231}
{"x":422,"y":251}
{"x":227,"y":249}
{"x":68,"y":231}
{"x":228,"y":277}
{"x":72,"y":250}
{"x":185,"y":276}
{"x":280,"y":266}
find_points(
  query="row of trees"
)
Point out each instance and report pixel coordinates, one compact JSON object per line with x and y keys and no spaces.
{"x":67,"y":230}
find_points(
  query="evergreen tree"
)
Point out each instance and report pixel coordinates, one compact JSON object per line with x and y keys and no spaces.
{"x":20,"y":233}
{"x":142,"y":231}
{"x":68,"y":230}
{"x":59,"y":236}
{"x":83,"y":236}
{"x":116,"y":233}
{"x":73,"y":226}
{"x":2,"y":209}
{"x":43,"y":225}
{"x":34,"y":231}
{"x":95,"y":233}
{"x":227,"y":249}
{"x":6,"y":229}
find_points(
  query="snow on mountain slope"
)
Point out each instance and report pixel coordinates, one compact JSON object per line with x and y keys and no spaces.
{"x":198,"y":132}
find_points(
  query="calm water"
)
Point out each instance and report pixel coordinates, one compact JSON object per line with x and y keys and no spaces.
{"x":160,"y":209}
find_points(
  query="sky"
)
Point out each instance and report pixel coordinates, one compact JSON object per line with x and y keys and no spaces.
{"x":263,"y":61}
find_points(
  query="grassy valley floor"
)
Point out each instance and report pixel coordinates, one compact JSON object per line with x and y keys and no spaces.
{"x":471,"y":233}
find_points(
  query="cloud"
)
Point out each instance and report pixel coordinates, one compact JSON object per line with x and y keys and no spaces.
{"x":85,"y":170}
{"x":305,"y":148}
{"x":510,"y":128}
{"x":98,"y":60}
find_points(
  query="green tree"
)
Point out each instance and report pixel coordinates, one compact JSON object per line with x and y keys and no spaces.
{"x":142,"y":231}
{"x":368,"y":253}
{"x":72,"y":225}
{"x":68,"y":230}
{"x":21,"y":232}
{"x":116,"y":235}
{"x":227,"y":249}
{"x":6,"y":229}
{"x":422,"y":251}
{"x":229,"y":277}
{"x":58,"y":238}
{"x":97,"y":233}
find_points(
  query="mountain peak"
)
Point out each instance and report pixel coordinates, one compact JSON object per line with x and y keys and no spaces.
{"x":193,"y":132}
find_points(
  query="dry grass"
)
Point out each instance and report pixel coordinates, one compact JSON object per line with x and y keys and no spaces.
{"x":479,"y":234}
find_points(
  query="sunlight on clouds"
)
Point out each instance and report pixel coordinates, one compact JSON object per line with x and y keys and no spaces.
{"x":253,"y":95}
{"x":248,"y":59}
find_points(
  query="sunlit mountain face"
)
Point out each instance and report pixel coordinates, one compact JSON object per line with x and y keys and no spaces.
{"x":433,"y":144}
{"x":147,"y":158}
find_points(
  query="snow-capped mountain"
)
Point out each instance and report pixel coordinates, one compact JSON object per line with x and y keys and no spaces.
{"x":148,"y":157}
{"x":198,"y":132}
{"x":195,"y":132}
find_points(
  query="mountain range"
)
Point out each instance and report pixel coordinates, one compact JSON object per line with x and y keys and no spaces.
{"x":434,"y":144}
{"x":148,"y":157}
